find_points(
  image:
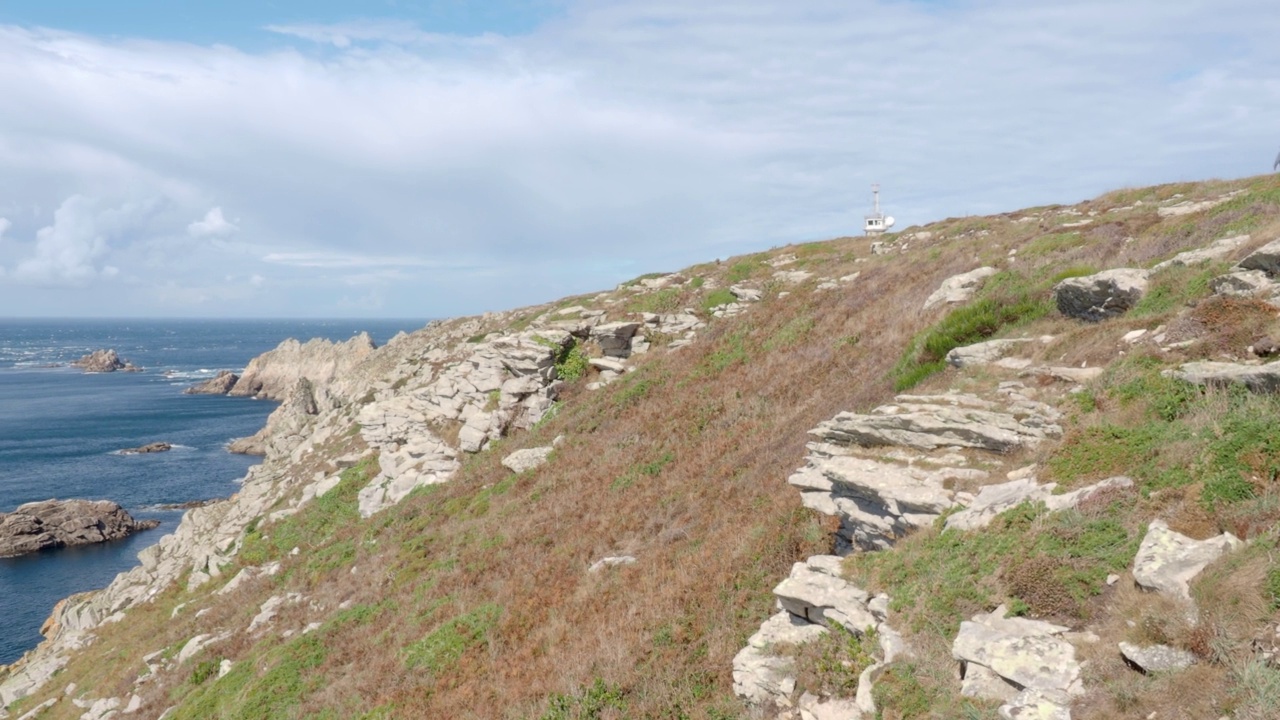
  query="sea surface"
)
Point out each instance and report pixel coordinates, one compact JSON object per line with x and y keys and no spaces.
{"x":61,"y":431}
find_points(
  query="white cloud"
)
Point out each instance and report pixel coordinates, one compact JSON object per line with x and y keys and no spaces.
{"x":628,"y":136}
{"x":214,"y":225}
{"x":67,"y":252}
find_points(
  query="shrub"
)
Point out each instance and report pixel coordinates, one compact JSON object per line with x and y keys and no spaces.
{"x":718,"y":297}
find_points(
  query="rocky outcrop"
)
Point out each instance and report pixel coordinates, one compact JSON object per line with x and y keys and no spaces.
{"x":858,"y":469}
{"x":103,"y":361}
{"x":1258,"y":378}
{"x":1219,"y":250}
{"x":62,"y":523}
{"x":220,"y":384}
{"x":959,"y":288}
{"x":1265,"y":259}
{"x":1026,"y":664}
{"x":275,"y":373}
{"x":813,"y":599}
{"x":992,"y":500}
{"x":1168,"y":561}
{"x":155,"y":447}
{"x":1242,"y":283}
{"x":1097,"y":297}
{"x":527,"y":459}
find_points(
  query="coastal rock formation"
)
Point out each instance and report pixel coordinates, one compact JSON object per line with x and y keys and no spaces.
{"x":275,"y":373}
{"x":61,"y":523}
{"x":102,"y":361}
{"x":1100,"y":296}
{"x":220,"y":384}
{"x":155,"y":447}
{"x":1258,"y":378}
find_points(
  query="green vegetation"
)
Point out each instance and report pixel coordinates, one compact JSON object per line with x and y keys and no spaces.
{"x":1175,"y":287}
{"x":716,"y":298}
{"x":744,"y":269}
{"x":1006,"y":300}
{"x":831,"y":665}
{"x":444,"y":646}
{"x":592,"y":703}
{"x":666,"y":300}
{"x":245,"y":693}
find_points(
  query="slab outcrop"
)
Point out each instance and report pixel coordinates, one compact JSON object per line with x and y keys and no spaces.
{"x":1258,"y":378}
{"x":63,"y":523}
{"x":1025,"y":664}
{"x":274,"y":373}
{"x":959,"y":288}
{"x":1168,"y":561}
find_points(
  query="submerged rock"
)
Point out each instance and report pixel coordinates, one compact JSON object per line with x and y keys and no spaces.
{"x":61,"y":523}
{"x":155,"y":447}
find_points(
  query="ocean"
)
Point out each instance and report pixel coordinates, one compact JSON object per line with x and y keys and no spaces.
{"x":61,"y":430}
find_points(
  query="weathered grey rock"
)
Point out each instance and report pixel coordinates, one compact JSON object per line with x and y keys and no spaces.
{"x":1030,"y":654}
{"x":1242,"y":283}
{"x":1218,"y":250}
{"x":102,"y":709}
{"x":1265,"y":258}
{"x":1167,"y":561}
{"x":527,"y":459}
{"x":959,"y":288}
{"x":220,"y":384}
{"x":931,"y":425}
{"x":198,"y":643}
{"x":607,"y":364}
{"x":995,"y":499}
{"x":615,"y":338}
{"x":1258,"y":378}
{"x":1101,"y":296}
{"x":982,"y":353}
{"x":63,"y":523}
{"x":1033,"y":704}
{"x":102,"y":361}
{"x":812,"y":592}
{"x":745,"y":294}
{"x":155,"y":447}
{"x":1189,"y":207}
{"x":812,"y":707}
{"x":1066,"y":374}
{"x":1156,"y":658}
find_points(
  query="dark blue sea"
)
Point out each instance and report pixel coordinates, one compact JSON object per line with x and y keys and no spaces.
{"x":61,"y":430}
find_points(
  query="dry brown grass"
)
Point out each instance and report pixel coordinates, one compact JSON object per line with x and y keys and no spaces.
{"x":683,"y":465}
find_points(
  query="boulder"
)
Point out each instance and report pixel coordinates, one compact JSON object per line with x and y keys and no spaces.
{"x":220,"y":384}
{"x":1258,"y":378}
{"x":155,"y":447}
{"x":815,"y":591}
{"x":982,"y":353}
{"x":63,"y":523}
{"x":107,"y":360}
{"x":930,"y":425}
{"x":959,"y":288}
{"x":1167,"y":561}
{"x":1097,"y":297}
{"x":1265,"y":258}
{"x":527,"y":459}
{"x":615,"y":338}
{"x":1156,"y":658}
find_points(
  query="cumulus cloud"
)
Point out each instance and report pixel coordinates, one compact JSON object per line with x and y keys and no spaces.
{"x":214,"y":225}
{"x":67,"y":252}
{"x":620,"y":138}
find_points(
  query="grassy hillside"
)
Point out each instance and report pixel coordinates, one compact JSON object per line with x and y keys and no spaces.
{"x":471,"y":599}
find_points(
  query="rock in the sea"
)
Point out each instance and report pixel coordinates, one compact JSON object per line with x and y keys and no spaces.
{"x":1156,"y":658}
{"x":100,"y":361}
{"x":220,"y":384}
{"x":60,"y":523}
{"x":252,"y":445}
{"x":1101,"y":296}
{"x":155,"y":447}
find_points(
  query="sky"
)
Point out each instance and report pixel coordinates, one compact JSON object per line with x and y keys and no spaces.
{"x":331,"y":158}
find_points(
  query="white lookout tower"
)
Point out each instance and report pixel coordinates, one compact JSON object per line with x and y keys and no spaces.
{"x":877,"y":223}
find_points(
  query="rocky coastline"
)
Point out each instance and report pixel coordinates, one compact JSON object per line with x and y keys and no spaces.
{"x":50,"y":524}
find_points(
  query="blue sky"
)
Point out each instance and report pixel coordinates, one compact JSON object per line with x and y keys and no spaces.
{"x":435,"y":158}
